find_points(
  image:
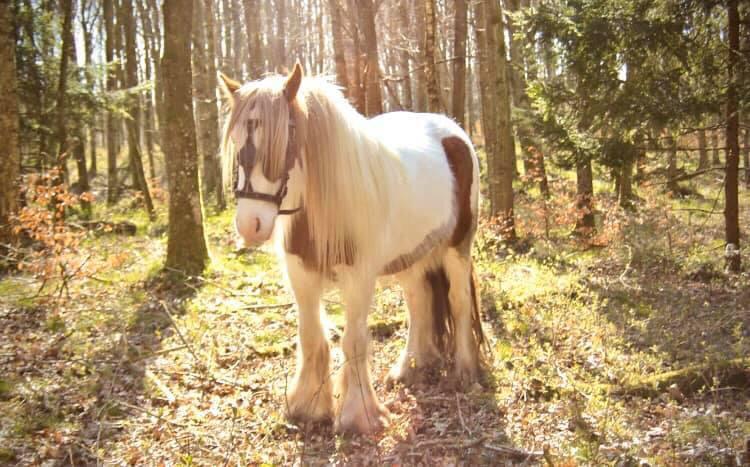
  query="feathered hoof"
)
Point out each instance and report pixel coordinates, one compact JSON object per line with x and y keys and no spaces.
{"x":367,"y":419}
{"x":411,"y":372}
{"x":304,"y":406}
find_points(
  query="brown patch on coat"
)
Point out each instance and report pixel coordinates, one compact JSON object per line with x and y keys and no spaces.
{"x":459,"y":159}
{"x":299,"y":242}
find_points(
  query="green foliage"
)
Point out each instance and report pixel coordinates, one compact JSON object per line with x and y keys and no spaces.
{"x":624,"y":69}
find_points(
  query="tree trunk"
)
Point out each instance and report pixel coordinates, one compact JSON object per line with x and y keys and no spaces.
{"x":404,"y":62}
{"x":715,"y":144}
{"x":672,"y":184}
{"x":702,"y":150}
{"x":252,"y":27}
{"x":431,"y":74}
{"x":495,"y":115}
{"x":585,"y":223}
{"x":281,"y":36}
{"x":133,"y":123}
{"x":86,"y":27}
{"x":625,"y":193}
{"x":458,"y":104}
{"x":358,"y":87}
{"x":731,"y":185}
{"x":421,"y":87}
{"x":9,"y":127}
{"x":109,"y":26}
{"x":61,"y":110}
{"x":186,"y":244}
{"x":212,"y":163}
{"x":747,"y":156}
{"x":373,"y":97}
{"x":339,"y":57}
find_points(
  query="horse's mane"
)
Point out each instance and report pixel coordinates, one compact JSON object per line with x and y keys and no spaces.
{"x":350,"y":176}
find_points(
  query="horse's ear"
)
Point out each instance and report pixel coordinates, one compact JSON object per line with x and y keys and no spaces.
{"x":229,"y":86}
{"x":291,"y":86}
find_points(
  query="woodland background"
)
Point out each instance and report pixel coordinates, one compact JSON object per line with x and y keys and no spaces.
{"x":615,"y":176}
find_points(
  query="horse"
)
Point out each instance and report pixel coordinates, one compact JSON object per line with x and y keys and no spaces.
{"x":348,"y":200}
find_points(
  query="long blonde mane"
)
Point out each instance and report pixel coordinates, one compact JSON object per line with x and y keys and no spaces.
{"x":350,"y":177}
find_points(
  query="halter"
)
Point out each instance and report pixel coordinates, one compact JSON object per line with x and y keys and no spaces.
{"x":246,"y":160}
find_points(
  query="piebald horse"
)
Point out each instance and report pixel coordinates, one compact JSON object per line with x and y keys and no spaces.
{"x":349,"y":200}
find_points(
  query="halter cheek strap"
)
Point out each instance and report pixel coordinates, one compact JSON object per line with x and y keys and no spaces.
{"x":246,"y":160}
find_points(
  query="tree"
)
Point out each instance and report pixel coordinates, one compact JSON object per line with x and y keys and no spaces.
{"x":10,"y":157}
{"x":252,"y":26}
{"x":431,"y":74}
{"x":186,"y":243}
{"x":339,"y":56}
{"x":109,"y":25}
{"x":458,"y":100}
{"x":731,"y":183}
{"x":133,"y":122}
{"x":496,"y":113}
{"x":373,"y":97}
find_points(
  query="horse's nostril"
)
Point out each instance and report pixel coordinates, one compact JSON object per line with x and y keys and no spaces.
{"x":257,"y":224}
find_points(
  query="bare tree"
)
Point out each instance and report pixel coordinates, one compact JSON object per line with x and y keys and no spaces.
{"x":431,"y":74}
{"x":133,"y":123}
{"x":731,"y":184}
{"x":186,"y":244}
{"x":373,"y":97}
{"x":9,"y":126}
{"x":458,"y":104}
{"x":339,"y":56}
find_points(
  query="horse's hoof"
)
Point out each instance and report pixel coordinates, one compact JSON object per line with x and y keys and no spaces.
{"x":364,"y":421}
{"x":310,"y":407}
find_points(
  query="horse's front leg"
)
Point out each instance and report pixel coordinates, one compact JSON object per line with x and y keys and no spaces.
{"x":311,"y":397}
{"x":360,"y":411}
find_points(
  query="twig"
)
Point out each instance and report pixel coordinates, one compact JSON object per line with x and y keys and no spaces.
{"x":264,"y":306}
{"x":514,"y":452}
{"x":148,"y":412}
{"x":460,"y":415}
{"x":165,"y":307}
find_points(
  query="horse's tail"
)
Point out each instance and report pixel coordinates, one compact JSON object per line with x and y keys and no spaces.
{"x":443,"y":317}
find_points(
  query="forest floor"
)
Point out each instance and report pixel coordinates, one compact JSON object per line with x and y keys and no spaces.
{"x":130,"y":366}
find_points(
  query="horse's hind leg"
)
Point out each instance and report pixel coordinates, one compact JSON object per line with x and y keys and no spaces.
{"x":464,"y":305}
{"x":421,"y":350}
{"x":310,"y":397}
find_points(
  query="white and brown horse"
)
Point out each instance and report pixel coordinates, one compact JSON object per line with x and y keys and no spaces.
{"x":349,"y":200}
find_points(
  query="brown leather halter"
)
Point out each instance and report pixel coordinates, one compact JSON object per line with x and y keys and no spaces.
{"x":246,"y":160}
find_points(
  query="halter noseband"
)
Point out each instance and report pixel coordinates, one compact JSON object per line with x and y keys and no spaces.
{"x":246,"y":160}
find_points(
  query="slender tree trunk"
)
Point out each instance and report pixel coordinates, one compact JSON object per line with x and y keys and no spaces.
{"x":495,"y":115}
{"x":421,"y":87}
{"x":10,"y":161}
{"x":404,"y":62}
{"x":252,"y":26}
{"x":431,"y":74}
{"x":585,"y":224}
{"x":339,"y":57}
{"x":747,"y":156}
{"x":61,"y":110}
{"x":88,"y":53}
{"x":133,"y":123}
{"x":625,"y":193}
{"x":112,"y":191}
{"x":358,"y":86}
{"x":672,"y":184}
{"x":731,"y":208}
{"x":702,"y":150}
{"x":281,"y":36}
{"x":212,"y":163}
{"x":459,"y":65}
{"x":186,"y":243}
{"x":373,"y":96}
{"x":239,"y":53}
{"x":715,"y":144}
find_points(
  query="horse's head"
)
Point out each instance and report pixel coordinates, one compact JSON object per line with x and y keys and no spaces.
{"x":260,"y":141}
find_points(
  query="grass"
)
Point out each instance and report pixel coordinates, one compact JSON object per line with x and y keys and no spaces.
{"x":109,"y":376}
